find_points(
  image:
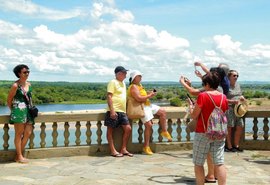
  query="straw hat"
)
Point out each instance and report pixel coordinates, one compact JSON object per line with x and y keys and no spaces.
{"x":241,"y":108}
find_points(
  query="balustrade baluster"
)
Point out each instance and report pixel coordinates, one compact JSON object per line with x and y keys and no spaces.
{"x":265,"y":128}
{"x":170,"y":129}
{"x":151,"y":134}
{"x":140,"y":131}
{"x":66,"y":134}
{"x":78,"y":133}
{"x":42,"y":135}
{"x":88,"y":133}
{"x":255,"y":128}
{"x":31,"y":139}
{"x":54,"y":134}
{"x":187,"y":129}
{"x":159,"y":133}
{"x":6,"y":136}
{"x":99,"y":132}
{"x":179,"y":130}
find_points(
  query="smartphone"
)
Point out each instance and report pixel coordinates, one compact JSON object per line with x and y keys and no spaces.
{"x":154,"y":90}
{"x":196,"y":70}
{"x":188,"y":96}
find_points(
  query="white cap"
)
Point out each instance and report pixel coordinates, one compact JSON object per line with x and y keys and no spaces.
{"x":134,"y":73}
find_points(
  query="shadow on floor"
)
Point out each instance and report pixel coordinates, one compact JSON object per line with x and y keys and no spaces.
{"x":172,"y":179}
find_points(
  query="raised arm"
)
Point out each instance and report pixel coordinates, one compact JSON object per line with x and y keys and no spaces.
{"x":187,"y":85}
{"x":204,"y":68}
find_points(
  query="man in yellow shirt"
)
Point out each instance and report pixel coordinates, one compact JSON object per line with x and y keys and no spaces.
{"x":116,"y":111}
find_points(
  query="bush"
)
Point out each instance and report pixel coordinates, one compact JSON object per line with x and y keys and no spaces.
{"x":159,"y":96}
{"x":258,"y":102}
{"x":175,"y":102}
{"x":3,"y":99}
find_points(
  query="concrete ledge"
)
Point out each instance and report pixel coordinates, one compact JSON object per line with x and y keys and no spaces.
{"x":174,"y":146}
{"x":256,"y":145}
{"x":95,"y":150}
{"x":98,"y":150}
{"x":7,"y":155}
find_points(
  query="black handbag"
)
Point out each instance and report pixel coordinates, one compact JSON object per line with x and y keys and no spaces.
{"x":33,"y":110}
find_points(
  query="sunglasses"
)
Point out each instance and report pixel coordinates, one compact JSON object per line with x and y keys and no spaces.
{"x":26,"y":72}
{"x":236,"y":76}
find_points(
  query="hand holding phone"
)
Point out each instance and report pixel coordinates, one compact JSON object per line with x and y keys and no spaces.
{"x":188,"y":96}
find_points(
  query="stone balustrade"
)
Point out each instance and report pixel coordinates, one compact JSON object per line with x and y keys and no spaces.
{"x":83,"y":133}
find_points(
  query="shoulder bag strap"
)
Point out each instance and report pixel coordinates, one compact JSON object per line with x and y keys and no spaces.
{"x":29,"y":102}
{"x":213,"y":100}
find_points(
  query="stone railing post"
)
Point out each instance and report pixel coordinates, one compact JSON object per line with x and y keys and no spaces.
{"x":179,"y":130}
{"x":265,"y":129}
{"x":88,"y":133}
{"x":54,"y":134}
{"x":66,"y":134}
{"x":6,"y":137}
{"x":42,"y":135}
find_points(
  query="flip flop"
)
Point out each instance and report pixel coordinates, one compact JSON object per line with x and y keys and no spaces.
{"x":117,"y":155}
{"x":209,"y":181}
{"x":128,"y":154}
{"x":22,"y":161}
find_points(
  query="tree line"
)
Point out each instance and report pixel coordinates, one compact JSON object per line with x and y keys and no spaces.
{"x":82,"y":92}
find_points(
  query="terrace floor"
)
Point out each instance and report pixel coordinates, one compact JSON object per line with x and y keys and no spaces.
{"x":173,"y":167}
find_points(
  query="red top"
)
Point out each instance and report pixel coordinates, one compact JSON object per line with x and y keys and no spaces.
{"x":207,"y":106}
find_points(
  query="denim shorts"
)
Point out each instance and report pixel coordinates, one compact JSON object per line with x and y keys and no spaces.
{"x":202,"y":146}
{"x":121,"y":119}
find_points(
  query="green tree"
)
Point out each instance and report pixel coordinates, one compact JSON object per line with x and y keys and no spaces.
{"x":175,"y":102}
{"x":3,"y":98}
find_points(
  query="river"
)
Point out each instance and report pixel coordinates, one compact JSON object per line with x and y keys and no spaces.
{"x":60,"y":107}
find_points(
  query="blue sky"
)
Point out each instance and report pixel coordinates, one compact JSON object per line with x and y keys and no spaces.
{"x":84,"y":40}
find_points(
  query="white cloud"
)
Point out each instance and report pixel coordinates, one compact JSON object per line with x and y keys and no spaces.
{"x":11,"y":52}
{"x":107,"y":9}
{"x":10,"y":30}
{"x":224,"y":44}
{"x":91,"y":52}
{"x":108,"y":54}
{"x":2,"y":66}
{"x":31,"y":9}
{"x":61,"y":41}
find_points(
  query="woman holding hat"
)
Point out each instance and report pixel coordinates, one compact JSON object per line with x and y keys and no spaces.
{"x":137,"y":91}
{"x":235,"y":98}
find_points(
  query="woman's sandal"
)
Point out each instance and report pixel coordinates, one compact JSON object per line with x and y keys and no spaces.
{"x":22,"y":161}
{"x":209,"y":181}
{"x":128,"y":154}
{"x":117,"y":155}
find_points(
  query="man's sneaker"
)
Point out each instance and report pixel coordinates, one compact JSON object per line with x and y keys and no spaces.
{"x":147,"y":150}
{"x":167,"y":135}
